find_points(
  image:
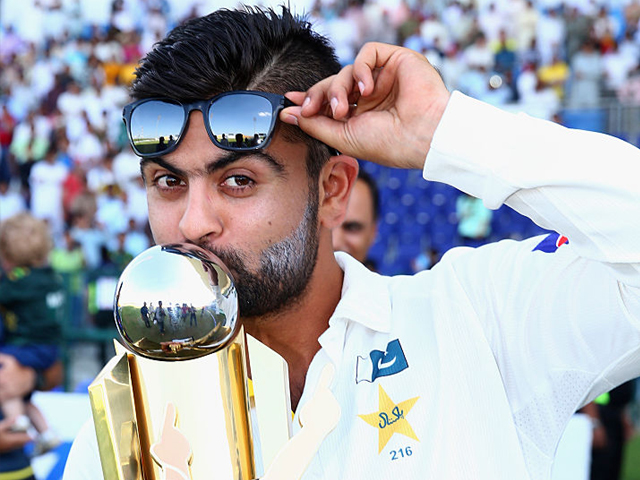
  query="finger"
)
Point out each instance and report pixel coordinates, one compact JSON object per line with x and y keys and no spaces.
{"x":321,"y":127}
{"x":334,"y":91}
{"x":372,"y":56}
{"x":341,"y":90}
{"x":291,"y":115}
{"x":315,"y":98}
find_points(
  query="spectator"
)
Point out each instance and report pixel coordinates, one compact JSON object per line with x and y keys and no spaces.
{"x":586,"y":68}
{"x":86,"y":149}
{"x":101,"y":288}
{"x":474,"y":220}
{"x":359,"y":228}
{"x":555,"y":74}
{"x":543,"y":102}
{"x":479,"y":55}
{"x":616,"y":69}
{"x":68,"y":261}
{"x":629,"y":93}
{"x":452,"y":67}
{"x":606,"y":26}
{"x":11,"y":202}
{"x":527,"y":82}
{"x":7,"y":125}
{"x":493,"y":22}
{"x":632,"y":12}
{"x":29,"y":145}
{"x":530,"y":55}
{"x":101,"y":175}
{"x":526,"y":25}
{"x":505,"y":56}
{"x":84,"y":231}
{"x":136,"y":239}
{"x":119,"y":256}
{"x":46,"y":182}
{"x":425,"y":260}
{"x":550,"y":34}
{"x":578,"y":30}
{"x":75,"y":184}
{"x":21,"y":99}
{"x":433,"y":31}
{"x":111,"y":213}
{"x":414,"y":40}
{"x":136,"y":202}
{"x":30,"y":296}
{"x":630,"y":49}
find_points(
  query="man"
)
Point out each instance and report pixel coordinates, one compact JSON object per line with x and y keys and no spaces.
{"x":358,"y":231}
{"x":160,"y":315}
{"x":14,"y":378}
{"x":471,"y":369}
{"x":144,"y":314}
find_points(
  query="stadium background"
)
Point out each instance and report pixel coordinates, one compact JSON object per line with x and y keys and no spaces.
{"x":48,"y":46}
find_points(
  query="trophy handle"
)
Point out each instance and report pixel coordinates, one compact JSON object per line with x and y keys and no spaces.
{"x":318,"y":417}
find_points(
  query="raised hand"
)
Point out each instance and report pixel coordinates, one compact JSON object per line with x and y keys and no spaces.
{"x":383,"y":108}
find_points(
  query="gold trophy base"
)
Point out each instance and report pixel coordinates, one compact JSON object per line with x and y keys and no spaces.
{"x":180,"y":419}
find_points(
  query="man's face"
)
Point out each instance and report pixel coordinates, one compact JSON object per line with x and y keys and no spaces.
{"x":358,"y":230}
{"x":254,"y":211}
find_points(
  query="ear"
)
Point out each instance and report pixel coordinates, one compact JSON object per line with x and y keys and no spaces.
{"x":336,"y":181}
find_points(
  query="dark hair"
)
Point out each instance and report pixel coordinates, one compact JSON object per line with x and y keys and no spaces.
{"x":248,"y":49}
{"x":373,"y":188}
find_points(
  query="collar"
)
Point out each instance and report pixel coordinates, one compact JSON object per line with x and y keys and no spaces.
{"x":365,"y":296}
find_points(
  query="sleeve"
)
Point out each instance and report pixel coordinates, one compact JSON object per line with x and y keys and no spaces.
{"x":83,"y":462}
{"x":561,"y":314}
{"x":581,"y":184}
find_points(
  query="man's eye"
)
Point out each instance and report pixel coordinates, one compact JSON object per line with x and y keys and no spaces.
{"x":169,"y":181}
{"x":352,"y":227}
{"x":238,"y":181}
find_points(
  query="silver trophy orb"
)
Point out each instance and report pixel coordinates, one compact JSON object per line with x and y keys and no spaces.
{"x":176,"y":302}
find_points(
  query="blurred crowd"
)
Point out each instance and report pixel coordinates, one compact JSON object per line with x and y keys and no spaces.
{"x":65,"y":66}
{"x":64,"y":71}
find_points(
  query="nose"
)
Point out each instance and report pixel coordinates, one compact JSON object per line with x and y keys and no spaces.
{"x":200,"y":219}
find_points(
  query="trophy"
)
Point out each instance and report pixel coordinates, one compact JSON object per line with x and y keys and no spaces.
{"x":175,"y":401}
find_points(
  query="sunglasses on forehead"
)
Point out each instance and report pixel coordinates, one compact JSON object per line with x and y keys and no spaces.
{"x":238,"y":121}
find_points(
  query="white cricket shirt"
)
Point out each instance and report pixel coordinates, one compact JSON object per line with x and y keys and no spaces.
{"x":472,"y":370}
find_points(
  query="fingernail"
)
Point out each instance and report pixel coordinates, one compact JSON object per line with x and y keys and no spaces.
{"x":292,"y":119}
{"x":334,"y":104}
{"x":306,"y":102}
{"x":361,"y":87}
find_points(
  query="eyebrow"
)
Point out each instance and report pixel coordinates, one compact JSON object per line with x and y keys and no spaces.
{"x":214,"y":166}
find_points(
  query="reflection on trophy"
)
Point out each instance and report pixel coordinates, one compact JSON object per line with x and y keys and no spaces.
{"x":176,"y":403}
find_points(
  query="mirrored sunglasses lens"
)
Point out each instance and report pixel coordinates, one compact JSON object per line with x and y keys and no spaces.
{"x":155,"y":126}
{"x":241,"y":121}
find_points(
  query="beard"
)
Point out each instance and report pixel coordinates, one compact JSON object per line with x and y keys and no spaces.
{"x":285,"y":268}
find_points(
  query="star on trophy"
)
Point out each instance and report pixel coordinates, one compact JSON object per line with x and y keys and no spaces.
{"x":175,"y":403}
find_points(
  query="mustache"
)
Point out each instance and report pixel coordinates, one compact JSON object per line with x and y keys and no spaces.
{"x":234,"y":261}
